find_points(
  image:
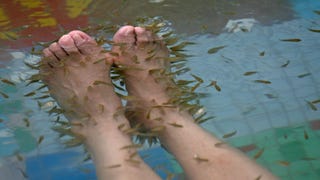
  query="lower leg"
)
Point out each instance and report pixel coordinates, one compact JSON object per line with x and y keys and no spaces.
{"x":194,"y":148}
{"x":202,"y":155}
{"x":113,"y":153}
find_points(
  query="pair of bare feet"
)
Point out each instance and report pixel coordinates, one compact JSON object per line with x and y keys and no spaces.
{"x":76,"y":71}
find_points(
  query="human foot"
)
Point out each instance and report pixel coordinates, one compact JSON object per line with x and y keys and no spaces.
{"x":143,"y":57}
{"x":76,"y":71}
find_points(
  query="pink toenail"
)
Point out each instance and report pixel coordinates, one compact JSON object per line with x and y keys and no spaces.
{"x":66,"y":41}
{"x":79,"y":39}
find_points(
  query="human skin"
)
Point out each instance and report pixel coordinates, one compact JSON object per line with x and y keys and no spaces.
{"x":71,"y":70}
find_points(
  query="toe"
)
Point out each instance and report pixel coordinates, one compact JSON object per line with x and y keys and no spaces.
{"x":125,"y":34}
{"x":143,"y":35}
{"x":47,"y":53}
{"x":67,"y":43}
{"x":57,"y":51}
{"x":83,"y":42}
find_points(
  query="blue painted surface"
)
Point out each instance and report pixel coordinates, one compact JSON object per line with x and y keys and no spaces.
{"x":67,"y":165}
{"x":302,"y":8}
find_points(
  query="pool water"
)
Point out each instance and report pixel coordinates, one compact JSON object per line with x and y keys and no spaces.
{"x":274,"y":41}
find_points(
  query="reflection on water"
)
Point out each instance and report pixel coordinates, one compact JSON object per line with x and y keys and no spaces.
{"x":44,"y":18}
{"x":24,"y":22}
{"x":265,"y":85}
{"x":192,"y":16}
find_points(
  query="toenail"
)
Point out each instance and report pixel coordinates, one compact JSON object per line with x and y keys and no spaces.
{"x":66,"y":42}
{"x":79,"y":40}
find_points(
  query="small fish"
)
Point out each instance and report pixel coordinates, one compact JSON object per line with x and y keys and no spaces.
{"x":204,"y":27}
{"x":229,"y":134}
{"x":259,"y":153}
{"x":195,"y":87}
{"x":41,"y":97}
{"x":114,"y":54}
{"x":176,"y":125}
{"x":157,"y":129}
{"x":317,"y":12}
{"x":306,"y":136}
{"x":167,"y":34}
{"x":157,"y":119}
{"x":29,"y":94}
{"x":171,"y":41}
{"x":315,"y":101}
{"x":133,"y":155}
{"x":4,"y":95}
{"x":6,"y":81}
{"x":309,"y":159}
{"x":180,"y":46}
{"x":73,"y":142}
{"x":262,"y":81}
{"x":259,"y":177}
{"x":291,"y":40}
{"x":55,"y":110}
{"x":197,"y":78}
{"x":114,"y":166}
{"x":285,"y":64}
{"x":132,"y":146}
{"x":270,"y":96}
{"x":24,"y":174}
{"x":133,"y":161}
{"x":215,"y":85}
{"x":1,"y":120}
{"x":219,"y":144}
{"x":150,"y":57}
{"x":314,"y":30}
{"x":19,"y":156}
{"x":101,"y":107}
{"x":87,"y":158}
{"x":97,"y":82}
{"x":121,"y":126}
{"x":304,"y":75}
{"x":249,"y":73}
{"x":312,"y":106}
{"x":183,"y":82}
{"x":130,"y":131}
{"x":174,"y":59}
{"x":215,"y":49}
{"x":40,"y":139}
{"x":200,"y":159}
{"x":99,"y":60}
{"x":82,"y":64}
{"x":262,"y":53}
{"x":26,"y":121}
{"x":31,"y":66}
{"x":11,"y":35}
{"x":284,"y":163}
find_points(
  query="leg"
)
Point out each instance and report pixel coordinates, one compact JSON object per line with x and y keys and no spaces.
{"x":193,"y":147}
{"x":76,"y":72}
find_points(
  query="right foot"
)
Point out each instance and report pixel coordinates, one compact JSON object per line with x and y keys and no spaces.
{"x":144,"y":55}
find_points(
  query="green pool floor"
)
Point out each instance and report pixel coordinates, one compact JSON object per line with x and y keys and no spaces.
{"x":291,"y":153}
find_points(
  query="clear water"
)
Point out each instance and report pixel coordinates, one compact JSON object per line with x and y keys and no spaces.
{"x":273,"y":116}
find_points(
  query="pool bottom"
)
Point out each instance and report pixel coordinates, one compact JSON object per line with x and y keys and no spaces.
{"x":289,"y":153}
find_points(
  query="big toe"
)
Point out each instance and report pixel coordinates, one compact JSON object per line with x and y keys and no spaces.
{"x":144,"y":36}
{"x":81,"y":42}
{"x":125,"y":34}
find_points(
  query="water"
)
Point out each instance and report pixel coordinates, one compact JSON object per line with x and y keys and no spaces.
{"x":273,"y":116}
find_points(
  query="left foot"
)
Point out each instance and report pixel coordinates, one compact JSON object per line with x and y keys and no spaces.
{"x":76,"y":71}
